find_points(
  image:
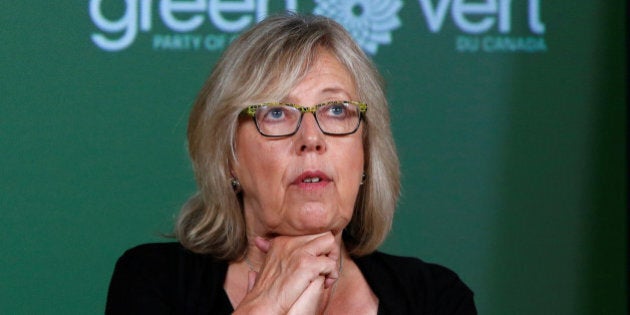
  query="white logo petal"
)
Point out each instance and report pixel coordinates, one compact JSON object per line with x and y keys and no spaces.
{"x":370,"y":22}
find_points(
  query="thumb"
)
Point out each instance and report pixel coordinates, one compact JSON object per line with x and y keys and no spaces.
{"x":262,"y":244}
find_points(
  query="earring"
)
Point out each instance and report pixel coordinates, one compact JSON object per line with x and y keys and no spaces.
{"x":236,"y":185}
{"x":363,"y":176}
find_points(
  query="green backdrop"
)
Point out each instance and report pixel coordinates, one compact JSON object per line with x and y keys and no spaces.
{"x":509,"y":117}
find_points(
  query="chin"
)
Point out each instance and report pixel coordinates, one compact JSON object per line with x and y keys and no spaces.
{"x":307,"y":227}
{"x":310,"y":225}
{"x":313,"y":218}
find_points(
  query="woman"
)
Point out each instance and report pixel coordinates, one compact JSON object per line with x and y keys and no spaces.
{"x":293,"y":199}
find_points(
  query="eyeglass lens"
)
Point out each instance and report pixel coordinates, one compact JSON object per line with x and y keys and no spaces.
{"x":332,"y":118}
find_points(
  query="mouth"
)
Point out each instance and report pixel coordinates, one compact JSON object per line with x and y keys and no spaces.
{"x":312,"y":180}
{"x":308,"y":179}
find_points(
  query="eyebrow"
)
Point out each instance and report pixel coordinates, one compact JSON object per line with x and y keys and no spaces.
{"x":328,"y":90}
{"x":336,"y":90}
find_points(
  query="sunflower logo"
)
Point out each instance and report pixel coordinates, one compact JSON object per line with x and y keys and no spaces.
{"x":370,"y":22}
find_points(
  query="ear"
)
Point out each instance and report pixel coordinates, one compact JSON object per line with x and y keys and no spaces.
{"x":233,"y":167}
{"x":236,"y":185}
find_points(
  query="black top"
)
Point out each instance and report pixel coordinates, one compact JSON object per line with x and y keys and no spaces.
{"x":166,"y":278}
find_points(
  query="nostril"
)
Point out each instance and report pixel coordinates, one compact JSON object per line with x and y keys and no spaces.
{"x":305,"y":147}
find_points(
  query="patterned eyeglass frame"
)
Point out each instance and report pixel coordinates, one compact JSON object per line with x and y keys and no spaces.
{"x":251,"y":112}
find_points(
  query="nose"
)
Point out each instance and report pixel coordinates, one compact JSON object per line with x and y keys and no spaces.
{"x":309,"y":137}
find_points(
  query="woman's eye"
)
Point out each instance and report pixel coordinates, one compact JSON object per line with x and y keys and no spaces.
{"x":275,"y":114}
{"x":336,"y":110}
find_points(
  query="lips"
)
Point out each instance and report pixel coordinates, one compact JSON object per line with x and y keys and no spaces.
{"x":312,"y":178}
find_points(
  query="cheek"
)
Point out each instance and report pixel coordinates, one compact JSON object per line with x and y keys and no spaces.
{"x":351,"y":165}
{"x":259,"y":162}
{"x":247,"y":157}
{"x":356,"y":154}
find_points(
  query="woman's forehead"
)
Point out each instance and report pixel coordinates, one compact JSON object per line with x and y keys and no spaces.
{"x":326,"y":77}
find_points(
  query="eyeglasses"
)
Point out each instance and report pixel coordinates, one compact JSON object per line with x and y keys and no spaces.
{"x":282,"y":120}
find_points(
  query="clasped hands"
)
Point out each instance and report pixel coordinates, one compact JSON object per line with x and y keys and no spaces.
{"x":296,"y":277}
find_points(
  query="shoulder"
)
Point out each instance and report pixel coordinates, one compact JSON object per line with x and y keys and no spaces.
{"x":170,"y":259}
{"x":410,"y":269}
{"x":161,"y":277}
{"x":408,"y":285}
{"x":157,"y":254}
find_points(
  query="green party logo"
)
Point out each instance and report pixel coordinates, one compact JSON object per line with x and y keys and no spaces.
{"x":477,"y":20}
{"x":481,"y":25}
{"x":370,"y":22}
{"x":182,"y":18}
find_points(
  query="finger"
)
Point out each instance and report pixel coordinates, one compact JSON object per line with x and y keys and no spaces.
{"x":316,"y":267}
{"x":323,"y":250}
{"x":262,"y":244}
{"x":324,"y":244}
{"x":314,"y":244}
{"x":310,"y":300}
{"x":291,"y":265}
{"x":297,"y":276}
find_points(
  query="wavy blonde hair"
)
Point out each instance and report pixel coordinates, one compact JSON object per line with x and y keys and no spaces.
{"x":265,"y":63}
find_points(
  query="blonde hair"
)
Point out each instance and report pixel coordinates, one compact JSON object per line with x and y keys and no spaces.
{"x":265,"y":63}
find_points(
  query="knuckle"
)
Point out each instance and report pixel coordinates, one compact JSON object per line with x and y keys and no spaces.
{"x":304,"y":261}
